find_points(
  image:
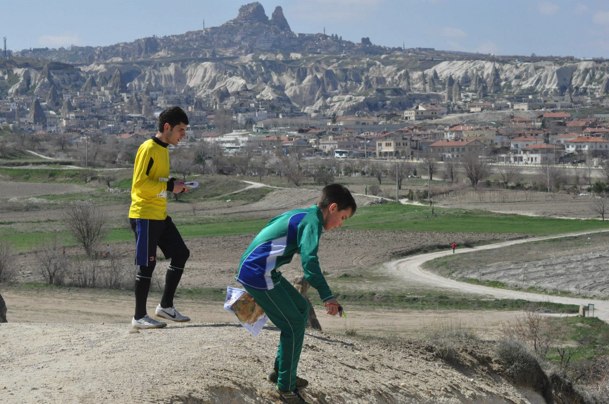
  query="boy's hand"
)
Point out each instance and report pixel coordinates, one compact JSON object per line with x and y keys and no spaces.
{"x":179,"y":187}
{"x":333,"y":307}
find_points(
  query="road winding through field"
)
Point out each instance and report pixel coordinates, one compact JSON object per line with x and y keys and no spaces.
{"x":410,"y":269}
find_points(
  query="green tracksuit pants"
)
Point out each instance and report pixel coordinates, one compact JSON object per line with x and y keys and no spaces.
{"x":289,"y":311}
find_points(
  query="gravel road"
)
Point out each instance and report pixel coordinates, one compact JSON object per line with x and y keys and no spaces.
{"x":410,"y":269}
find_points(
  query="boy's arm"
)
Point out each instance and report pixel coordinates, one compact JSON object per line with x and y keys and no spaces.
{"x":308,"y":245}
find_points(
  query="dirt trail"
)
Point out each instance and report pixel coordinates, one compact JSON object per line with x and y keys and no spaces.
{"x":410,"y":269}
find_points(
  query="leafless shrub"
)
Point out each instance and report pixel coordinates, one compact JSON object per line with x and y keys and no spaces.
{"x":7,"y":263}
{"x":601,"y":390}
{"x":600,"y":205}
{"x":114,"y":274}
{"x":475,"y":168}
{"x":447,"y":341}
{"x":86,"y":223}
{"x":565,"y":354}
{"x":53,"y":263}
{"x":509,"y":175}
{"x":85,"y":274}
{"x":521,"y":366}
{"x":533,"y":330}
{"x":375,"y":190}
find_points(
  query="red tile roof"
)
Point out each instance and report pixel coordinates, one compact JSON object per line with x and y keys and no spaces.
{"x":557,"y":115}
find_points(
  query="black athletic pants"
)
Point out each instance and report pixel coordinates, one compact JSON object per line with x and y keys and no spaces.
{"x":150,"y":234}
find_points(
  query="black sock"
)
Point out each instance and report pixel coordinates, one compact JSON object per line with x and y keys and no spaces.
{"x":142,"y":286}
{"x":172,"y":278}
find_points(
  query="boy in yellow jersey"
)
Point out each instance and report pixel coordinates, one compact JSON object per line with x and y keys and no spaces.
{"x":149,"y":220}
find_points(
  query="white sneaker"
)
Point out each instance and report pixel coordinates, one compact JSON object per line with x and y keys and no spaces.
{"x":170,"y":313}
{"x":147,"y":322}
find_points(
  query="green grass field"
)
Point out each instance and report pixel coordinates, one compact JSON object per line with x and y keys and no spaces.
{"x":419,"y":218}
{"x":385,"y":217}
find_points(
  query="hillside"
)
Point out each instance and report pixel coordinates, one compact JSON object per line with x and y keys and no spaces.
{"x":66,"y":360}
{"x":256,"y":60}
{"x":76,"y":345}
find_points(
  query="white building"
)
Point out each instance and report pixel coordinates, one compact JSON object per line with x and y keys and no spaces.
{"x":586,"y":144}
{"x":422,"y":112}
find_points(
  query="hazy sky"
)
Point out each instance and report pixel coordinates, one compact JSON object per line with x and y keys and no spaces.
{"x":577,"y":28}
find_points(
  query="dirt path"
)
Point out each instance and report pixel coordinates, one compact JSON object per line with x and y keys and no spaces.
{"x":410,"y":269}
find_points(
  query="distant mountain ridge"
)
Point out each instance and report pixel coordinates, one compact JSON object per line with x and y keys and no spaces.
{"x":256,"y":60}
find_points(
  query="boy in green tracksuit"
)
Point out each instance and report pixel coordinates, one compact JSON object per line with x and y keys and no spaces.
{"x":296,"y":231}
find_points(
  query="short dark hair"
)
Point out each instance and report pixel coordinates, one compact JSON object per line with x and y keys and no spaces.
{"x":173,"y":116}
{"x":338,"y":194}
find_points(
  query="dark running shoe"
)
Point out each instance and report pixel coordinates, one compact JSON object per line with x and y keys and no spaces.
{"x":291,"y":397}
{"x":300,"y":382}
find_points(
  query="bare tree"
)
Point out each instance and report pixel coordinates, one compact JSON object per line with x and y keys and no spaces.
{"x":600,"y":205}
{"x":552,"y":176}
{"x":258,"y":167}
{"x":450,"y":171}
{"x":183,"y":167}
{"x":475,"y":169}
{"x":7,"y":268}
{"x":323,"y":175}
{"x":605,"y":167}
{"x":376,"y":170}
{"x":429,"y":166}
{"x":86,"y":223}
{"x":53,"y":263}
{"x":223,"y":119}
{"x":589,"y":165}
{"x":532,"y":329}
{"x":508,"y":174}
{"x":400,"y":172}
{"x":293,"y":171}
{"x":62,"y":141}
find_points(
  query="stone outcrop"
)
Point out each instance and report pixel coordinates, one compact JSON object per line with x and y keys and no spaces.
{"x":253,"y":12}
{"x":279,"y":20}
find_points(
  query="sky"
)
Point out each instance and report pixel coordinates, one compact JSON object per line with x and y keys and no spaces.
{"x":578,"y":28}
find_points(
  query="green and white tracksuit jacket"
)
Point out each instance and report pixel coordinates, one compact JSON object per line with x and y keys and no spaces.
{"x":295,"y":231}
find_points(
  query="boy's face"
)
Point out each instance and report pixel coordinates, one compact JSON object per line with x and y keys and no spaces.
{"x":334,"y":218}
{"x":175,"y":134}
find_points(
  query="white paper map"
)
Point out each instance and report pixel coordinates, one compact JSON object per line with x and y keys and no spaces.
{"x":250,"y":315}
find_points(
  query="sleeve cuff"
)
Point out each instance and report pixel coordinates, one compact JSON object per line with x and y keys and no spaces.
{"x":170,"y":184}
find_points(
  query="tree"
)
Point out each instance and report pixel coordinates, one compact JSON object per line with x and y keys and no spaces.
{"x":292,"y":170}
{"x":475,"y":169}
{"x":401,"y":171}
{"x":323,"y":175}
{"x":600,"y":205}
{"x":552,"y":176}
{"x":7,"y":267}
{"x":508,"y":174}
{"x":86,"y":223}
{"x":605,"y":167}
{"x":223,"y":120}
{"x":53,"y":263}
{"x":450,"y":171}
{"x":429,"y":166}
{"x":376,"y":170}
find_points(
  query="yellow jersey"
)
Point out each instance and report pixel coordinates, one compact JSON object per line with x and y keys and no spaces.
{"x":149,"y":184}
